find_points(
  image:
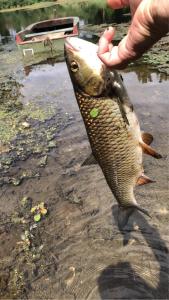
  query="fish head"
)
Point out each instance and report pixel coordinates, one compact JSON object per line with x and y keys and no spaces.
{"x":87,"y":72}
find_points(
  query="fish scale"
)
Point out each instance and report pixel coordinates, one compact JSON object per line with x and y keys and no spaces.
{"x":112,"y":126}
{"x":111,"y":147}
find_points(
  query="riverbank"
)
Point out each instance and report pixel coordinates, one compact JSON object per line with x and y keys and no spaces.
{"x":48,"y":4}
{"x":29,"y":7}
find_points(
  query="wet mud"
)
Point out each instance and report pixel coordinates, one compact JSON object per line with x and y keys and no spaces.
{"x":59,"y":237}
{"x":76,"y":250}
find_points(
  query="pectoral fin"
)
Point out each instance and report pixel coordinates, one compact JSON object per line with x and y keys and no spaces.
{"x":150,"y":151}
{"x":147,"y":138}
{"x":143,"y":179}
{"x":90,"y":160}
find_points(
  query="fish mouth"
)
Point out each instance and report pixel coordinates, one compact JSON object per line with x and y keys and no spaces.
{"x":77,"y":44}
{"x":69,"y":45}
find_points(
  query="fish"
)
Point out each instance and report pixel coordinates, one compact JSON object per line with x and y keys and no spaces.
{"x":112,"y":126}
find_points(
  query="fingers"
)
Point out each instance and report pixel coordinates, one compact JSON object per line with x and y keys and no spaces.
{"x":108,"y":53}
{"x":117,"y":3}
{"x":105,"y":41}
{"x":112,"y":59}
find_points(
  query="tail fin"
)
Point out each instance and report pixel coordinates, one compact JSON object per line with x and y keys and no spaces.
{"x":123,"y":216}
{"x":144,"y":211}
{"x":125,"y":212}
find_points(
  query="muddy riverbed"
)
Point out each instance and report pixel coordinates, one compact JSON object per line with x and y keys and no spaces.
{"x":59,"y":236}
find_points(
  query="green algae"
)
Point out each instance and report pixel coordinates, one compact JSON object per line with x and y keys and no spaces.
{"x":159,"y":61}
{"x":7,"y":131}
{"x":13,"y":113}
{"x":35,"y":112}
{"x":25,"y":130}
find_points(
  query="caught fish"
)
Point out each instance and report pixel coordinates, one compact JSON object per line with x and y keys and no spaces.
{"x":113,"y":129}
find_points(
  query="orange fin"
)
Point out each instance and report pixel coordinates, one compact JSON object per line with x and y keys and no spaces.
{"x":143,"y":179}
{"x":147,"y":137}
{"x":148,"y":150}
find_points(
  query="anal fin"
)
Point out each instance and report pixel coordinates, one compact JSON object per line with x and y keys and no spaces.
{"x":143,"y":179}
{"x":149,"y":150}
{"x":147,"y":138}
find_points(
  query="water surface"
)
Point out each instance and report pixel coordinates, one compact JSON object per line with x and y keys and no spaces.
{"x":89,"y":12}
{"x":77,"y":250}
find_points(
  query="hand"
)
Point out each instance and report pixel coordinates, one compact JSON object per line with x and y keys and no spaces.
{"x":150,"y":22}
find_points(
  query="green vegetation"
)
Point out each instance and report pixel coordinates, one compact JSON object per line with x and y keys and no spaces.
{"x":6,"y":4}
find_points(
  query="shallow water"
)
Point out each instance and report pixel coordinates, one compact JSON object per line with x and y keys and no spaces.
{"x":84,"y":255}
{"x":77,"y":250}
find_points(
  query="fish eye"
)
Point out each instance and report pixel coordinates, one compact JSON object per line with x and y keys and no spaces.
{"x":74,"y":66}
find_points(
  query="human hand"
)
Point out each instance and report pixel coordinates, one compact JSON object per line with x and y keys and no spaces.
{"x":150,"y":22}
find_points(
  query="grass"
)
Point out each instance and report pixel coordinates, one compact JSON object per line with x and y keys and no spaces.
{"x":49,"y":4}
{"x":30,"y":7}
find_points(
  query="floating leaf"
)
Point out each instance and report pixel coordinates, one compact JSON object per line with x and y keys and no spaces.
{"x":37,"y":217}
{"x":33,"y":209}
{"x":43,"y":211}
{"x":41,"y":205}
{"x":94,"y":112}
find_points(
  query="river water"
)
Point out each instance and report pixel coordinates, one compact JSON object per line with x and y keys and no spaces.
{"x":76,"y":251}
{"x":89,"y":13}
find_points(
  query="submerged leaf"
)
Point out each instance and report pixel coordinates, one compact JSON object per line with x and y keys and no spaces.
{"x":43,"y":211}
{"x":33,"y":209}
{"x":37,"y":217}
{"x":41,"y":205}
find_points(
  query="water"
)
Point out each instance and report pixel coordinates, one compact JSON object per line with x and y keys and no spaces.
{"x":84,"y":256}
{"x":89,"y":12}
{"x":77,"y":251}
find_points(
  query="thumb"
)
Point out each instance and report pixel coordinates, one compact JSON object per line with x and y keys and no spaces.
{"x":109,"y":54}
{"x":115,"y":4}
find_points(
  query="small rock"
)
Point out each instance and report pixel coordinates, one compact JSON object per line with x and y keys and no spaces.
{"x":25,"y":125}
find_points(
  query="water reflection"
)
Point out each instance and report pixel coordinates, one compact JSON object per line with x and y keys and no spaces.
{"x":89,"y":12}
{"x":145,"y":74}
